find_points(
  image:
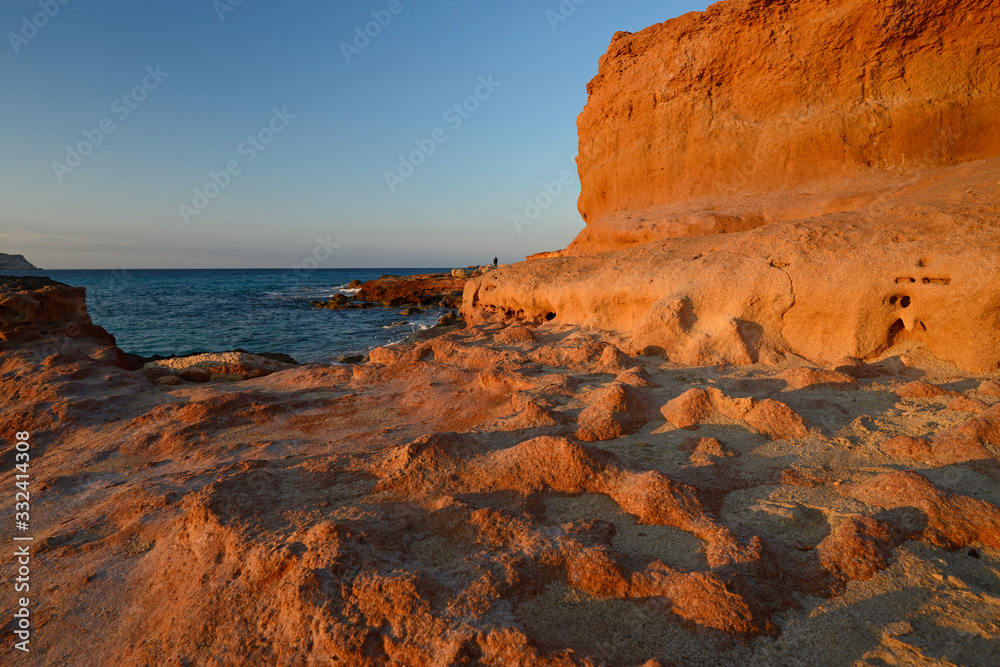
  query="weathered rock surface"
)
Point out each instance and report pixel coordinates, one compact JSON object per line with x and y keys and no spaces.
{"x":790,"y":177}
{"x":840,"y":285}
{"x":34,"y":307}
{"x":435,"y":505}
{"x":694,"y":125}
{"x":222,"y":366}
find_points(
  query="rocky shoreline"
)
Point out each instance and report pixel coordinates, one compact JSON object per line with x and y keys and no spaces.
{"x":750,"y":416}
{"x":534,"y":477}
{"x":429,"y":290}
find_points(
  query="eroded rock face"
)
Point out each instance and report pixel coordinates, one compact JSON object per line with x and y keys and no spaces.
{"x":437,"y":504}
{"x":691,"y":124}
{"x":786,"y":176}
{"x":34,"y":307}
{"x":917,"y":266}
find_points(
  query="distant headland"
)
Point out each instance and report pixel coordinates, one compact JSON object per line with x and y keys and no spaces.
{"x":15,"y":263}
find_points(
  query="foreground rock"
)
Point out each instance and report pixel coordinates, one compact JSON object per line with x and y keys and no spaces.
{"x":220,"y":366}
{"x":437,"y":504}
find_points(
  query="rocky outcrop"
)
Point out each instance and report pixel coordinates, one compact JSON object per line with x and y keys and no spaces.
{"x":917,"y":268}
{"x":431,"y":290}
{"x":220,"y":366}
{"x":436,"y":505}
{"x":811,"y":145}
{"x":15,"y":263}
{"x":692,"y":126}
{"x":34,"y":307}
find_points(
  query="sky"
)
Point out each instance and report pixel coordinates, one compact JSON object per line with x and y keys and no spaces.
{"x":253,"y":134}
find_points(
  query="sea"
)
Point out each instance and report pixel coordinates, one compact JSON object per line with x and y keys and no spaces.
{"x":183,"y":312}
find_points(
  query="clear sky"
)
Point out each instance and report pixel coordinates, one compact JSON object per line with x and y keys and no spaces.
{"x":114,"y":113}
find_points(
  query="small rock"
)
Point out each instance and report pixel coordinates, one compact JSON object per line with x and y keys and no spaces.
{"x":169,"y":380}
{"x":989,"y":388}
{"x":803,"y":377}
{"x":408,"y":312}
{"x":459,"y":273}
{"x":965,"y":404}
{"x":920,"y":389}
{"x":898,"y":629}
{"x":351,"y":359}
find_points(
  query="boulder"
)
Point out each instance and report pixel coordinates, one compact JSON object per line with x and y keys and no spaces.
{"x":229,"y":365}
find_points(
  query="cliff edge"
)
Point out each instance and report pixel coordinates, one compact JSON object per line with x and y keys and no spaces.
{"x":756,"y":111}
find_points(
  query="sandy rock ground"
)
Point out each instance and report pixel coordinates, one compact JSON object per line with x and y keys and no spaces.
{"x":510,"y":495}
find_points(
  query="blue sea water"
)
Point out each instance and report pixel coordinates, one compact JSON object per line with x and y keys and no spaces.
{"x":184,"y":312}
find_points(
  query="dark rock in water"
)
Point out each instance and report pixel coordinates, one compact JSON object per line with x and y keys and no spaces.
{"x":352,"y":359}
{"x":451,"y":320}
{"x":407,"y":312}
{"x":340,"y":302}
{"x":15,"y":263}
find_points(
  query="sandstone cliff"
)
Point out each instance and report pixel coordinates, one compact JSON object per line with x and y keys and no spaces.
{"x":694,"y":125}
{"x":794,"y":177}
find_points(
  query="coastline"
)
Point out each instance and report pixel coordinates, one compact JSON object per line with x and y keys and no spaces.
{"x":533,"y":469}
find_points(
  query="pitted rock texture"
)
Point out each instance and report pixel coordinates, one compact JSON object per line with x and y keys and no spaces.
{"x":438,"y":505}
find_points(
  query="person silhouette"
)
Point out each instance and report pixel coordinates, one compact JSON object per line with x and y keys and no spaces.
{"x":495,"y":261}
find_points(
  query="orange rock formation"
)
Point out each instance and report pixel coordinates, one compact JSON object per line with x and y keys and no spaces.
{"x":785,"y":178}
{"x":693,"y":125}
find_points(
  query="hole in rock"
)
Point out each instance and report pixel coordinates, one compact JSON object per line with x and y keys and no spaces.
{"x":549,"y":317}
{"x":904,"y":302}
{"x":897,"y":328}
{"x":905,"y":280}
{"x":973,"y":553}
{"x":937,"y":281}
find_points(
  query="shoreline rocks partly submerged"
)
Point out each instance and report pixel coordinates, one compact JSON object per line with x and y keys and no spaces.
{"x":427,"y":290}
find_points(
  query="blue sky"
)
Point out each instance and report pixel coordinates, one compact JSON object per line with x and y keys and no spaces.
{"x":154,"y":98}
